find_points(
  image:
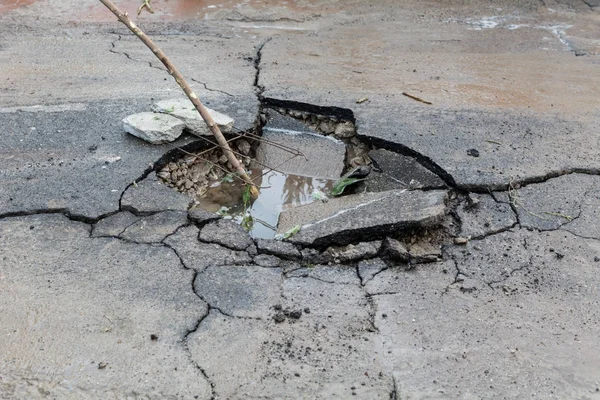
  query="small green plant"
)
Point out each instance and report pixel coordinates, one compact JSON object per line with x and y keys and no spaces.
{"x":341,"y":184}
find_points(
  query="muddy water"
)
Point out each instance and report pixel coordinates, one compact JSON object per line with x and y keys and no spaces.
{"x":278,"y":192}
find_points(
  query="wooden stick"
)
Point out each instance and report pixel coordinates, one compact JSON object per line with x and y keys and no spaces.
{"x":174,"y":72}
{"x":416,"y":98}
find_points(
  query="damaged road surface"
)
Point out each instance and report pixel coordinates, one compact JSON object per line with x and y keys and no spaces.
{"x":465,"y":265}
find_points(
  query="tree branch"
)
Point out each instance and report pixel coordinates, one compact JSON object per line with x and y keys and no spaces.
{"x":174,"y":72}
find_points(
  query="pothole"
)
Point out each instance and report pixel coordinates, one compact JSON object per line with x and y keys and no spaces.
{"x":326,"y":149}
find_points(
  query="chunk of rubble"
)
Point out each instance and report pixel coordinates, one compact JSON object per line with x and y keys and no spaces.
{"x":349,"y":219}
{"x":395,"y":250}
{"x":152,"y":127}
{"x":424,"y":252}
{"x":278,"y":248}
{"x":352,"y":252}
{"x":184,"y":110}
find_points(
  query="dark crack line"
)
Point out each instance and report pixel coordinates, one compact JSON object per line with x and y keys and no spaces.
{"x":63,"y":211}
{"x":495,"y":232}
{"x":317,"y":279}
{"x":210,"y":89}
{"x":256,"y":62}
{"x":161,"y":68}
{"x":521,"y":183}
{"x":198,"y":323}
{"x":422,"y":159}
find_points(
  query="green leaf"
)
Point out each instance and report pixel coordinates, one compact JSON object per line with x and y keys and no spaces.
{"x":247,"y":222}
{"x":289,"y":233}
{"x":246,"y":196}
{"x":341,"y":184}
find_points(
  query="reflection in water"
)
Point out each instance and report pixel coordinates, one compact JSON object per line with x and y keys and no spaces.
{"x":278,"y":192}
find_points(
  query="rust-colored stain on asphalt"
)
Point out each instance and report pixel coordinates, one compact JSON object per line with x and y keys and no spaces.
{"x":164,"y":10}
{"x":7,"y":5}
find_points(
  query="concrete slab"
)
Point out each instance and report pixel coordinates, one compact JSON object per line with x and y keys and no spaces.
{"x":184,"y":110}
{"x":152,"y":127}
{"x":393,"y":171}
{"x":324,"y":155}
{"x":154,"y":228}
{"x":351,"y":218}
{"x":198,"y":256}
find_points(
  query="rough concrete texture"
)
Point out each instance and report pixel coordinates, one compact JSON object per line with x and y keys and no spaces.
{"x":78,"y":315}
{"x":76,"y":160}
{"x":278,"y":248}
{"x":394,"y":170}
{"x":184,"y":110}
{"x":226,"y":233}
{"x":507,"y":314}
{"x":150,"y":195}
{"x":198,"y":256}
{"x":570,"y":201}
{"x":152,"y":127}
{"x":200,"y":216}
{"x":370,"y":216}
{"x":481,"y":215}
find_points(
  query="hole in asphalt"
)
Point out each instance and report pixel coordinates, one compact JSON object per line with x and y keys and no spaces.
{"x":326,"y":149}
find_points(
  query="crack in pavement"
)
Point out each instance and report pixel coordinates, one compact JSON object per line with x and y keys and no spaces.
{"x":259,"y":89}
{"x":112,"y":49}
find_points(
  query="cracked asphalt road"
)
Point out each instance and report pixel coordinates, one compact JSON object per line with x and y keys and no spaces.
{"x":110,"y":289}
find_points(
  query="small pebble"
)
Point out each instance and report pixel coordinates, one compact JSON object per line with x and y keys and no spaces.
{"x":461,"y":240}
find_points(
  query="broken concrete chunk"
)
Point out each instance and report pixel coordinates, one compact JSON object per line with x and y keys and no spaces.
{"x":424,"y":252}
{"x":367,"y":269}
{"x":278,"y":248}
{"x":226,"y":233}
{"x":154,"y":228}
{"x":153,"y":127}
{"x":395,"y":250}
{"x":348,"y":219}
{"x":324,"y":156}
{"x":150,"y":195}
{"x":114,"y":224}
{"x":352,"y":252}
{"x":184,"y":110}
{"x":201,"y":216}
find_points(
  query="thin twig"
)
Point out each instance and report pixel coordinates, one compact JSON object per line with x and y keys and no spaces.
{"x":173,"y":71}
{"x":416,"y":98}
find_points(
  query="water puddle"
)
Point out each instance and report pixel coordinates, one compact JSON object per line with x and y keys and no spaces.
{"x":278,"y":192}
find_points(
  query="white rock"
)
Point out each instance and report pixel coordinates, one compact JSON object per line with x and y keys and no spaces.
{"x":153,"y":127}
{"x":185,"y":111}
